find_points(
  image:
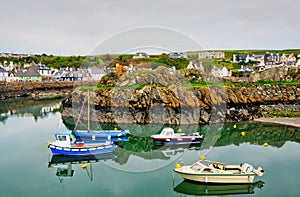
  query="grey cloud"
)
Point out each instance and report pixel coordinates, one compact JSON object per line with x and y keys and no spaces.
{"x":78,"y":27}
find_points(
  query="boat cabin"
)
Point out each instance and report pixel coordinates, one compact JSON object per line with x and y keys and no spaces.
{"x":199,"y":167}
{"x":167,"y":132}
{"x":62,"y":139}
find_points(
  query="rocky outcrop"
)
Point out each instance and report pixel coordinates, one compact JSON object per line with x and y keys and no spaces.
{"x":179,"y":105}
{"x":275,"y":74}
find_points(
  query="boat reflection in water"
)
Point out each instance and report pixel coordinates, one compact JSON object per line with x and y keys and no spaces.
{"x":194,"y":188}
{"x":64,"y":164}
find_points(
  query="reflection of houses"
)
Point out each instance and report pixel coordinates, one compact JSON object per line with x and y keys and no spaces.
{"x":272,"y":58}
{"x":240,"y":58}
{"x":197,"y":65}
{"x":178,"y":55}
{"x":139,"y":55}
{"x":221,"y":72}
{"x":3,"y":74}
{"x":211,"y":55}
{"x":288,"y":59}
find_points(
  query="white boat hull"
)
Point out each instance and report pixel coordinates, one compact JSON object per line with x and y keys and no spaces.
{"x":218,"y":178}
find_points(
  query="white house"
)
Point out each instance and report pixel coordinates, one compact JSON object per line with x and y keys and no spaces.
{"x":257,"y":58}
{"x":43,"y":69}
{"x":246,"y":68}
{"x":221,"y":72}
{"x":139,"y":55}
{"x":8,"y":66}
{"x":197,"y":65}
{"x":288,"y":59}
{"x":3,"y":74}
{"x":298,"y":61}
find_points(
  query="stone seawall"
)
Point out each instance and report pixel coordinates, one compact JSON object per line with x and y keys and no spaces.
{"x":179,"y":105}
{"x":38,"y":89}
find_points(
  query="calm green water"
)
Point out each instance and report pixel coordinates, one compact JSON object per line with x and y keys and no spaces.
{"x":139,"y":168}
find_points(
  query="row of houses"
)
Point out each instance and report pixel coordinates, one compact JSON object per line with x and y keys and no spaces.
{"x":15,"y":55}
{"x":211,"y":55}
{"x":140,"y":55}
{"x":38,"y":72}
{"x":215,"y":71}
{"x":269,"y":58}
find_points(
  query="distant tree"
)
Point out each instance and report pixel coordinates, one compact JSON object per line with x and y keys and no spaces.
{"x":107,"y":57}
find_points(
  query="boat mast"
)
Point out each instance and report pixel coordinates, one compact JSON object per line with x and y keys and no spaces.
{"x":89,"y":110}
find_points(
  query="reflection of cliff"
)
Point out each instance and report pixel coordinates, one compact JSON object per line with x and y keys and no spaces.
{"x":255,"y":133}
{"x":122,"y":155}
{"x":141,"y":145}
{"x":215,"y":135}
{"x":258,"y":133}
{"x":28,"y":107}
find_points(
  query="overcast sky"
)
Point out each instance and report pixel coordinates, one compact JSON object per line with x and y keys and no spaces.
{"x":78,"y":27}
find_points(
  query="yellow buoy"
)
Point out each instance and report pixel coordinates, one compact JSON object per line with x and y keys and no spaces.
{"x":234,"y":126}
{"x":177,"y":165}
{"x":243,"y":133}
{"x":179,"y":130}
{"x":203,"y":158}
{"x":83,"y":166}
{"x":265,"y":144}
{"x":116,"y":129}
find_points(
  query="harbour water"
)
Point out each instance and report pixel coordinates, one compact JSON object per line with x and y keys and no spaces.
{"x":138,"y":167}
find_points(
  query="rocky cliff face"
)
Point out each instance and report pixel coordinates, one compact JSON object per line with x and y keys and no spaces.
{"x":178,"y":105}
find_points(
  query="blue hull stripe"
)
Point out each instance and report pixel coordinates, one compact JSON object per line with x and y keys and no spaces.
{"x":56,"y":150}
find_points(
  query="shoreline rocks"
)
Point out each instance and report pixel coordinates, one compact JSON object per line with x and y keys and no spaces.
{"x":180,"y":105}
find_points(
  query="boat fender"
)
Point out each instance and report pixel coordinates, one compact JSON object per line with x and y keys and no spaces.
{"x":83,"y":166}
{"x":177,"y":166}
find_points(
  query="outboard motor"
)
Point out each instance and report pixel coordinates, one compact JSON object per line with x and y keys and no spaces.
{"x":259,"y":171}
{"x":247,"y":168}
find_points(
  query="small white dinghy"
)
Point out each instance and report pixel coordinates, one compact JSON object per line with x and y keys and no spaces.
{"x":168,"y":136}
{"x":215,"y":172}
